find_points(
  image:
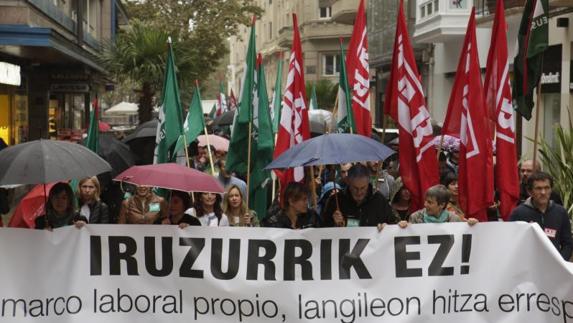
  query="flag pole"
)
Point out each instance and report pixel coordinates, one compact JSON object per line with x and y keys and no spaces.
{"x":249,"y":161}
{"x":209,"y":150}
{"x":274,"y":177}
{"x":536,"y":134}
{"x":313,"y":188}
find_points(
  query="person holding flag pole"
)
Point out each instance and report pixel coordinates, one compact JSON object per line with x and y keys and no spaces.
{"x":467,"y":119}
{"x":498,"y":101}
{"x":294,"y":124}
{"x":533,"y":39}
{"x":345,"y":115}
{"x":276,"y":111}
{"x":194,"y":124}
{"x":405,"y":103}
{"x":242,"y":127}
{"x":170,"y":125}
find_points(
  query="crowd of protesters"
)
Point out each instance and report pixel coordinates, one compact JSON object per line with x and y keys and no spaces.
{"x":347,"y":195}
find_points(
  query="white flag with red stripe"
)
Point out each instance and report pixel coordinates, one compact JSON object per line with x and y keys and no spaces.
{"x":405,"y":103}
{"x":357,"y":68}
{"x":294,"y":125}
{"x":500,"y":110}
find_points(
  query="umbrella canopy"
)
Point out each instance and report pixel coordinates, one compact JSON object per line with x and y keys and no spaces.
{"x":335,"y":148}
{"x":116,"y":153}
{"x":123,"y":108}
{"x":226,"y":119}
{"x":220,"y":143}
{"x":171,"y":176}
{"x":142,"y":142}
{"x":30,"y":207}
{"x":144,"y":130}
{"x":46,"y":161}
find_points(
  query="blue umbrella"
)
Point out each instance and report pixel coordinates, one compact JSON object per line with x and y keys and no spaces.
{"x":330,"y":149}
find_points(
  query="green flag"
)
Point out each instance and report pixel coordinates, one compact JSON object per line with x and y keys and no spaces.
{"x":313,"y":102}
{"x":92,"y":140}
{"x":533,"y":41}
{"x":264,"y":146}
{"x":237,"y":155}
{"x":194,"y":123}
{"x":345,"y":117}
{"x":277,"y":98}
{"x":213,"y":111}
{"x":170,"y":123}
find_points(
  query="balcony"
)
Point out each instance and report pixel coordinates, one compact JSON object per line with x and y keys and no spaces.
{"x":56,"y":13}
{"x":439,"y":21}
{"x":344,"y":11}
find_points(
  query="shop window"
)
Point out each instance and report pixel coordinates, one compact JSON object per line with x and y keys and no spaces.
{"x":20,"y":116}
{"x":5,"y":118}
{"x":551,"y":116}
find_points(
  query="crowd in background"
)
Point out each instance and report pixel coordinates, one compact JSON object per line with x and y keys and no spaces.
{"x":359,"y":194}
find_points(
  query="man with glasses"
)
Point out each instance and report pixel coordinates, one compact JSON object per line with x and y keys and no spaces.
{"x":358,"y":204}
{"x":552,"y":217}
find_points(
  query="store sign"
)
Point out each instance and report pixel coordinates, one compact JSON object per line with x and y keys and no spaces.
{"x":70,"y":87}
{"x":551,"y":76}
{"x":10,"y":74}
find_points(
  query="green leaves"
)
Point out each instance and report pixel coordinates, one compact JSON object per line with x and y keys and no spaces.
{"x":558,"y":162}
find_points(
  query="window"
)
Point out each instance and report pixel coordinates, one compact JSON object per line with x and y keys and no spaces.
{"x":270,"y":31}
{"x":325,"y":12}
{"x":330,"y":65}
{"x":429,"y":8}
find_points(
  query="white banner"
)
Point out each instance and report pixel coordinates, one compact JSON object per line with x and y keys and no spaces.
{"x":492,"y":272}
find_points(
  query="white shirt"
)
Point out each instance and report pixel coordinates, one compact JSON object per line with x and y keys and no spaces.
{"x":209,"y":219}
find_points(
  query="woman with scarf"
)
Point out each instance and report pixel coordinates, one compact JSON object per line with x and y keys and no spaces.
{"x":434,"y":211}
{"x":59,"y":210}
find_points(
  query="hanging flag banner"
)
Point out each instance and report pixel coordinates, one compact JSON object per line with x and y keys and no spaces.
{"x":491,"y":272}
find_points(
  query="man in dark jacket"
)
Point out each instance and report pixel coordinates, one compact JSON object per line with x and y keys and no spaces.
{"x":551,"y":216}
{"x":358,"y":204}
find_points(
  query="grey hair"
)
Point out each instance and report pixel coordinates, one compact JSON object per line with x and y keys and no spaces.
{"x":440,"y":193}
{"x":358,"y":171}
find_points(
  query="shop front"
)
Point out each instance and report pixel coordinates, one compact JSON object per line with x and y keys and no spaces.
{"x":13,"y":104}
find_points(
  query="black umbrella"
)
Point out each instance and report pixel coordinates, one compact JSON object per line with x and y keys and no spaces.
{"x":46,"y":161}
{"x":226,"y":119}
{"x":144,"y":130}
{"x":116,"y":153}
{"x":142,"y":142}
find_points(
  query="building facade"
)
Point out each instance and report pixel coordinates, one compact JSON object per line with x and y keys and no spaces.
{"x":441,"y":25}
{"x":381,"y":16}
{"x":49,"y":48}
{"x":322,"y":23}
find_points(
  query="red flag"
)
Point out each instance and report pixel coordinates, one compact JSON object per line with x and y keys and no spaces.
{"x":294,"y":125}
{"x":405,"y":103}
{"x":232,"y":101}
{"x":498,"y":101}
{"x":358,"y":74}
{"x":467,"y":120}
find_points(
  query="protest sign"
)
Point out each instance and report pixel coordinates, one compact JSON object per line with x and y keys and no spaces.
{"x":491,"y":272}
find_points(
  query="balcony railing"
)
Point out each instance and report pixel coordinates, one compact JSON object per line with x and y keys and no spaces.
{"x":487,"y":7}
{"x":55,"y":13}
